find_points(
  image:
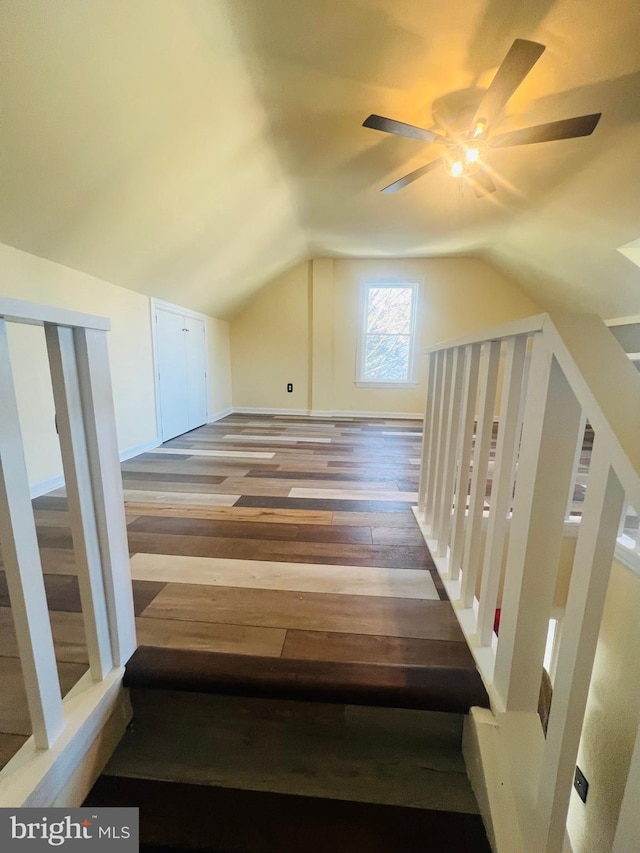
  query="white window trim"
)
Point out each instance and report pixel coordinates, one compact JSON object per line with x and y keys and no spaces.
{"x":411,"y":381}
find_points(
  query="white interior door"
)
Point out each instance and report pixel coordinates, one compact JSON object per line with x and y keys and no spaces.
{"x":181,"y":367}
{"x":172,"y":385}
{"x":196,"y":371}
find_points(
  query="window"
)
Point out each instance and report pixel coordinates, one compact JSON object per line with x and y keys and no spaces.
{"x":387,"y":334}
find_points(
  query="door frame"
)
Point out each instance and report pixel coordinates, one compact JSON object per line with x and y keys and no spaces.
{"x":154,"y":305}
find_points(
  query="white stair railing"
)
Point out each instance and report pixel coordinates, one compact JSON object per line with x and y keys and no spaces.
{"x":78,"y":360}
{"x":538,"y":380}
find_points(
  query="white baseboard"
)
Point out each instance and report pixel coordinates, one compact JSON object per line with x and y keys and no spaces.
{"x":219,"y":415}
{"x":251,"y":410}
{"x":130,"y":452}
{"x":325,"y":413}
{"x":43,"y":487}
{"x":411,"y":416}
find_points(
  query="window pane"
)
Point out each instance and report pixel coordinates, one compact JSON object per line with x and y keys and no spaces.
{"x":387,"y":358}
{"x":389,"y":310}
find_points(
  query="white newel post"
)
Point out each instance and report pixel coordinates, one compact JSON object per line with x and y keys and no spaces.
{"x":106,"y":477}
{"x":23,"y":569}
{"x":73,"y":446}
{"x":551,"y":429}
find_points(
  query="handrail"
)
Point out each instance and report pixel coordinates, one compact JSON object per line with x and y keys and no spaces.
{"x":607,"y":386}
{"x":33,"y":314}
{"x":528,"y":325}
{"x":559,"y":371}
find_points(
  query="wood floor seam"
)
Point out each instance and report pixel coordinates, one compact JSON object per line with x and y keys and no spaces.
{"x":269,"y":536}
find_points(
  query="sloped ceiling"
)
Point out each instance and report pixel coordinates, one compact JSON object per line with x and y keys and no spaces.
{"x":193,"y":149}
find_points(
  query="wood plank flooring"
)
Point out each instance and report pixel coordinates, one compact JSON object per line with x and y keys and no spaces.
{"x":272,"y":536}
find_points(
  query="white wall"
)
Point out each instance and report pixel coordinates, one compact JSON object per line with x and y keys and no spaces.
{"x":25,"y":276}
{"x":219,"y":368}
{"x":611,"y":718}
{"x":303,"y":328}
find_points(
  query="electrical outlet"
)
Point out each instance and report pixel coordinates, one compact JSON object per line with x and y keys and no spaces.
{"x":581,"y":785}
{"x":289,"y":387}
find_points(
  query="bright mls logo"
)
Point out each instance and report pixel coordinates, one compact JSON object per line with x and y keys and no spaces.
{"x":74,"y":829}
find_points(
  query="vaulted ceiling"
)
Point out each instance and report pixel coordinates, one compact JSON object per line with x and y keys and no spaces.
{"x":192,"y":149}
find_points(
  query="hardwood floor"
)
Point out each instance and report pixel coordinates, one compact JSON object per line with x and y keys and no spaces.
{"x":272,"y":536}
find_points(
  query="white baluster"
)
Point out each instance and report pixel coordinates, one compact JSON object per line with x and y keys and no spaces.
{"x":463,"y":457}
{"x":580,"y":628}
{"x":549,"y":436}
{"x":502,"y":485}
{"x":453,"y":422}
{"x":576,"y":465}
{"x":484,"y":433}
{"x":427,"y":434}
{"x":104,"y":462}
{"x":73,"y":445}
{"x":433,"y":441}
{"x":443,"y":437}
{"x":23,"y":569}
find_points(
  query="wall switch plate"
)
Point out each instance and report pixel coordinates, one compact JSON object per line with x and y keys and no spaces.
{"x":289,"y":387}
{"x":581,"y":785}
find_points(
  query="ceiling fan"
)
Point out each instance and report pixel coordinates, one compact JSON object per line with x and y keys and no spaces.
{"x":465,"y":154}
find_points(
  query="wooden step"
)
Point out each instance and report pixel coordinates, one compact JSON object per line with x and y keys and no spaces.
{"x":180,"y":817}
{"x":431,"y":688}
{"x":391,"y":756}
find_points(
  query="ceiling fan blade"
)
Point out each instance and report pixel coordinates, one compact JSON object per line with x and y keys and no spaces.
{"x":482,"y":184}
{"x":566,"y":128}
{"x":411,"y":177}
{"x":399,"y":128}
{"x":518,"y":62}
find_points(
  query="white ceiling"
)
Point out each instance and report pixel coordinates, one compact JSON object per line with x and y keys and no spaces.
{"x":192,"y":149}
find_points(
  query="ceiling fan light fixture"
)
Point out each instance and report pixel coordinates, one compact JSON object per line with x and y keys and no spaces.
{"x":472,"y":154}
{"x":480,"y":128}
{"x":460,"y":161}
{"x":467,"y":152}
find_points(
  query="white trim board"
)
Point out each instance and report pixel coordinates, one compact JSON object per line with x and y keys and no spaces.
{"x":325,"y":413}
{"x":256,"y":410}
{"x":43,"y":487}
{"x":627,"y":557}
{"x":35,"y":314}
{"x":631,"y":320}
{"x":411,"y":416}
{"x":178,"y":309}
{"x":130,"y":452}
{"x":38,"y":777}
{"x":218,"y":416}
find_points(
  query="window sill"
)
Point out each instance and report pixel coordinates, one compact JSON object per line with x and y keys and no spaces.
{"x":366,"y":384}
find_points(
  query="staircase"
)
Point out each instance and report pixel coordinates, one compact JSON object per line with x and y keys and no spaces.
{"x":244,"y":755}
{"x":319,"y":755}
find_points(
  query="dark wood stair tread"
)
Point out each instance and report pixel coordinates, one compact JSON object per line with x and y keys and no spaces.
{"x":182,"y":817}
{"x":432,"y":688}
